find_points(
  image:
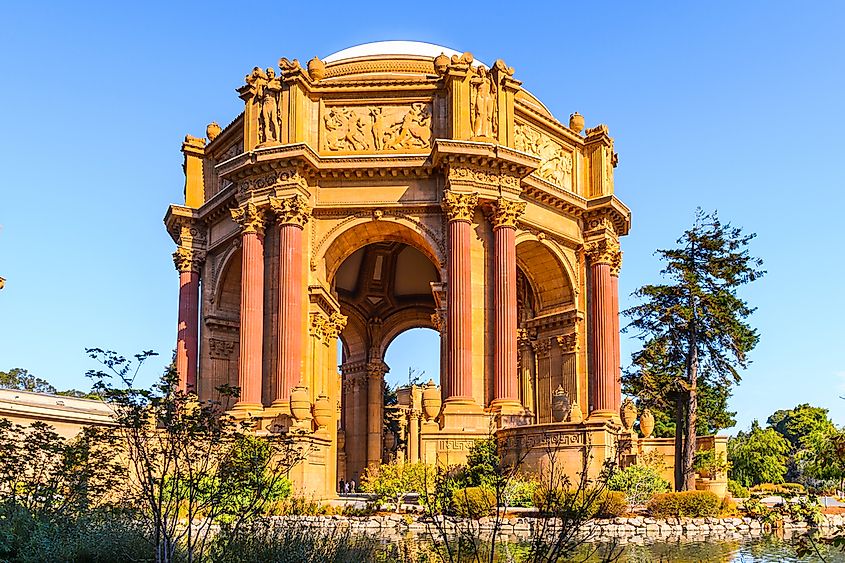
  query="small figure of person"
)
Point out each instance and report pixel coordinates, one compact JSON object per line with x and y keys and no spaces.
{"x":346,"y":488}
{"x":352,"y":486}
{"x":340,"y":487}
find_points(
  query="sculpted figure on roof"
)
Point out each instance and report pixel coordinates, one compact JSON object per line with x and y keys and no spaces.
{"x":268,"y":89}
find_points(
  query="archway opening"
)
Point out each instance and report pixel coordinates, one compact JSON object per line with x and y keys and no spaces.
{"x":414,"y":358}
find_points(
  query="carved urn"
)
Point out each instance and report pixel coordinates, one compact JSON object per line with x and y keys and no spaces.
{"x":576,"y":122}
{"x":212,"y":130}
{"x":561,"y":406}
{"x":431,"y":400}
{"x":646,"y":423}
{"x":575,"y":415}
{"x":300,"y":405}
{"x":628,"y":414}
{"x":389,"y":440}
{"x":316,"y":69}
{"x":322,"y":411}
{"x":441,"y":64}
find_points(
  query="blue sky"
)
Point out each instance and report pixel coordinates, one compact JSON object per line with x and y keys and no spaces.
{"x":735,"y":106}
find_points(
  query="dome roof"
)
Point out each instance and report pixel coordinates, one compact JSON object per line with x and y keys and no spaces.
{"x":393,"y":48}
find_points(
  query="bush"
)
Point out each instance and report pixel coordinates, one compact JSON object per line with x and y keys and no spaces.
{"x":736,"y":489}
{"x":473,"y":502}
{"x":638,"y":482}
{"x":779,"y":489}
{"x":606,"y":504}
{"x":690,"y":504}
{"x":520,"y":492}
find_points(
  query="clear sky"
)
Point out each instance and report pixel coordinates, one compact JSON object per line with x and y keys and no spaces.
{"x":735,"y":106}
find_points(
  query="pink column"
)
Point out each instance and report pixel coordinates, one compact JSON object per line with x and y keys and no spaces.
{"x":188,"y":263}
{"x":251,"y":220}
{"x":292,"y":213}
{"x":459,"y":209}
{"x":506,"y":379}
{"x":604,"y":330}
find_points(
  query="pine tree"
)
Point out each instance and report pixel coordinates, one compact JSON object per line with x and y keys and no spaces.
{"x":698,"y":323}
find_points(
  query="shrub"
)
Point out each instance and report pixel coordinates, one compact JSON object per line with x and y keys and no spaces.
{"x":606,"y":504}
{"x":779,"y":489}
{"x":390,"y":482}
{"x":473,"y":502}
{"x":728,"y":508}
{"x":520,"y":492}
{"x":736,"y":489}
{"x":691,"y":504}
{"x":638,"y":482}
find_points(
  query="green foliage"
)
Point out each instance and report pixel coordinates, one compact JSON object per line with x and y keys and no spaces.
{"x":483,"y":464}
{"x":694,"y":327}
{"x":758,"y":456}
{"x":594,"y":503}
{"x":797,"y":424}
{"x":823,"y":456}
{"x":689,"y":504}
{"x":638,"y":482}
{"x":520,"y":492}
{"x":390,"y":482}
{"x":473,"y":502}
{"x":709,"y":463}
{"x":22,"y":380}
{"x":737,"y":490}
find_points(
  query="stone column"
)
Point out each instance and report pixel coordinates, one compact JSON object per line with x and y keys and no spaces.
{"x":506,"y":379}
{"x":252,"y":220}
{"x":291,"y":215}
{"x":459,"y":209}
{"x":188,"y":262}
{"x":414,"y":437}
{"x":375,"y":410}
{"x":604,"y":380}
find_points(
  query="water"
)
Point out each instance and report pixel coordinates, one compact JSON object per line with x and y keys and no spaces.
{"x":763,"y":549}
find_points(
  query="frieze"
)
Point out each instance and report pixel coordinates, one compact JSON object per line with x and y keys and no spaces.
{"x":555,"y":161}
{"x":221,"y":349}
{"x":388,"y":128}
{"x":455,"y":444}
{"x":551,"y":440}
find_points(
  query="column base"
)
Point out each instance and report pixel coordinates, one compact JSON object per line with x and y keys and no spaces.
{"x":604,"y":414}
{"x":464,"y":414}
{"x":247,"y":410}
{"x":510,"y":412}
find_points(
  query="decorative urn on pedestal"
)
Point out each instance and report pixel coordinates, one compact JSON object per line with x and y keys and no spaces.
{"x":575,"y":414}
{"x":316,"y":69}
{"x":576,"y":122}
{"x":628,"y":414}
{"x":431,"y":400}
{"x":646,"y":423}
{"x":322,"y":411}
{"x":561,"y":406}
{"x":300,"y":405}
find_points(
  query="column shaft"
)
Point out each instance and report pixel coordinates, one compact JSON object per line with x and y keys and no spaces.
{"x":605,"y":337}
{"x":252,"y":312}
{"x":459,"y":311}
{"x":504,"y":297}
{"x":375,"y":406}
{"x":414,"y":438}
{"x":290,"y":333}
{"x":187,"y":338}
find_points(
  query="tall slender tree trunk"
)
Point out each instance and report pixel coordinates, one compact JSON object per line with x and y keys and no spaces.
{"x":680,"y":434}
{"x":692,"y":416}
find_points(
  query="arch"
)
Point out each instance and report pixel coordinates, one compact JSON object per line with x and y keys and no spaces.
{"x":545,"y":267}
{"x":227,"y":286}
{"x":359,"y":231}
{"x":403,"y":321}
{"x":420,"y":357}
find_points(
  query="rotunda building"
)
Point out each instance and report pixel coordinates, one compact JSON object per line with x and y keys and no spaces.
{"x":390,"y":186}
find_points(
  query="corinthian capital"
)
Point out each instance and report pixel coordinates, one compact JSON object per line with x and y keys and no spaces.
{"x":603,"y":251}
{"x":616,"y":264}
{"x":188,"y":260}
{"x":459,"y":206}
{"x":250,"y":217}
{"x":292,"y":210}
{"x":506,"y":212}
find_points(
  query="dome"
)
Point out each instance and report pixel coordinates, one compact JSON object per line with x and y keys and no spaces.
{"x":393,"y":48}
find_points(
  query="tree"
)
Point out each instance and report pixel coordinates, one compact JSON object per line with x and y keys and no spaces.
{"x":188,"y":460}
{"x":823,"y":456}
{"x":22,"y":380}
{"x":798,"y":423}
{"x":698,"y":321}
{"x":758,"y":456}
{"x":393,"y":481}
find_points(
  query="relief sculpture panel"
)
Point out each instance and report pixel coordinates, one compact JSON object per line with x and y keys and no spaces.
{"x":387,"y":128}
{"x":556,"y":162}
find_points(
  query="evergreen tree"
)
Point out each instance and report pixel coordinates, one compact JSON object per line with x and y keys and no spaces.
{"x":758,"y":456}
{"x":698,"y":323}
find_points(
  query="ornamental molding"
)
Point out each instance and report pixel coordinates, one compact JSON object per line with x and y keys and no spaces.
{"x":568,"y":343}
{"x":188,"y":259}
{"x":272,"y":182}
{"x":556,"y":163}
{"x":221,"y":349}
{"x":459,"y":206}
{"x":327,"y":329}
{"x":379,"y":128}
{"x":251,"y":218}
{"x":555,"y":322}
{"x":292,"y":210}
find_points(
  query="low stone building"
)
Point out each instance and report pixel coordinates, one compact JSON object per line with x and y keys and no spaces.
{"x":67,"y":415}
{"x":392,"y":186}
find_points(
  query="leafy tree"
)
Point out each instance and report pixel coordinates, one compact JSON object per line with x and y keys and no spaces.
{"x":797,"y":424}
{"x":22,"y":380}
{"x":698,"y":322}
{"x":188,"y":459}
{"x":483,"y":464}
{"x":639,"y":483}
{"x":823,"y":457}
{"x":758,"y":456}
{"x":393,"y":481}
